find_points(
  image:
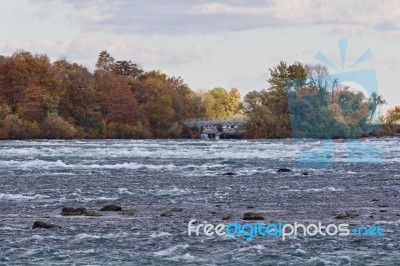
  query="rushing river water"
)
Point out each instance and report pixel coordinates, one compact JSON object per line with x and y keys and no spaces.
{"x":39,"y":178}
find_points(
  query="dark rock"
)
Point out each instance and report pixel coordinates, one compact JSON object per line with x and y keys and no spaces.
{"x":250,"y":207}
{"x":284,"y":170}
{"x":341,"y":216}
{"x":111,"y":208}
{"x":253,"y":216}
{"x":67,"y":211}
{"x":383,"y":211}
{"x":39,"y":224}
{"x":371,"y":216}
{"x":229,"y":173}
{"x":128,"y":212}
{"x":352,"y":214}
{"x":383,"y":205}
{"x":213,"y":212}
{"x":167,"y":214}
{"x":346,"y":215}
{"x":374,"y":200}
{"x":171,"y":212}
{"x":226,"y":217}
{"x":305,"y":173}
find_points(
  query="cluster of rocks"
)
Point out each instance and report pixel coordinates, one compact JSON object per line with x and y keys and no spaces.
{"x":287,"y":170}
{"x":280,"y":170}
{"x":69,"y":211}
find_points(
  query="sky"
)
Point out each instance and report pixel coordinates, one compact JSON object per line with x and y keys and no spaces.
{"x":212,"y":43}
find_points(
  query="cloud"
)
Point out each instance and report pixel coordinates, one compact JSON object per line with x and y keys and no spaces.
{"x":86,"y":49}
{"x":213,"y":16}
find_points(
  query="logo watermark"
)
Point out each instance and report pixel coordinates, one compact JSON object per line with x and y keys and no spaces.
{"x":338,"y":105}
{"x":282,"y":230}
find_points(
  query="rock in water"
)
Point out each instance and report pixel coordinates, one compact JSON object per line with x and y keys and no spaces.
{"x":352,"y":214}
{"x":171,"y":212}
{"x":67,"y":211}
{"x":229,"y":173}
{"x":253,"y":216}
{"x":111,"y":208}
{"x":347,"y":214}
{"x":128,"y":212}
{"x":226,"y":217}
{"x":39,"y":224}
{"x":341,"y":216}
{"x":284,"y":170}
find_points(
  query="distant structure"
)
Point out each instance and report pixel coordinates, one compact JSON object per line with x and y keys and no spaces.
{"x":218,"y":129}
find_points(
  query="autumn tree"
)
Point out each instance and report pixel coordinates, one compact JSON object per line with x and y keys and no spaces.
{"x":122,"y":105}
{"x":32,"y":106}
{"x":234,"y":101}
{"x":392,"y":116}
{"x":18,"y":72}
{"x":78,"y":95}
{"x":157,"y":99}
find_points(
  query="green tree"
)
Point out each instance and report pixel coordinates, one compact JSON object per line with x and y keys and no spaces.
{"x":375,"y":101}
{"x":127,"y":69}
{"x":220,"y":109}
{"x":105,"y":62}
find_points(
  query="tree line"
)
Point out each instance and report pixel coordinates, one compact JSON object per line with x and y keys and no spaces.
{"x":306,"y":101}
{"x":41,"y":99}
{"x":62,"y":99}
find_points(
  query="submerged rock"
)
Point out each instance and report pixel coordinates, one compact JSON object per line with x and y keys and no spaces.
{"x":253,"y":216}
{"x":347,"y":214}
{"x":352,"y":214}
{"x":128,"y":212}
{"x":40,"y":224}
{"x":226,"y":217}
{"x":341,"y":216}
{"x":171,"y":212}
{"x":229,"y":173}
{"x":111,"y":208}
{"x":284,"y":170}
{"x":68,"y":211}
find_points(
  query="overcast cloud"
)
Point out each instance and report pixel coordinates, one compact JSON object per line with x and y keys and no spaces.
{"x":195,"y":16}
{"x":209,"y":43}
